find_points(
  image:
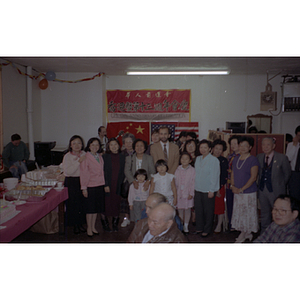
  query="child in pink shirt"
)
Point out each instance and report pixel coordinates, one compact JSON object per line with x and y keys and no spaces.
{"x":185,"y":185}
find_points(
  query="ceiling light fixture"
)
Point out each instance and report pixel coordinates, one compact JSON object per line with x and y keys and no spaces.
{"x":180,"y":73}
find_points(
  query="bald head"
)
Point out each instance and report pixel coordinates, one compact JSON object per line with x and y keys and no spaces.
{"x":161,"y":218}
{"x":153,"y":200}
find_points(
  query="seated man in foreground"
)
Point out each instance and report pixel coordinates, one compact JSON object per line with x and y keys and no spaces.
{"x":160,"y":226}
{"x":286,"y":225}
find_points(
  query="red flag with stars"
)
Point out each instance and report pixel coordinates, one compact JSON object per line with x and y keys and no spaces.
{"x":139,"y":129}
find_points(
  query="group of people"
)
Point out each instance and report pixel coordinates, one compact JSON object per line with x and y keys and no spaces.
{"x":193,"y":180}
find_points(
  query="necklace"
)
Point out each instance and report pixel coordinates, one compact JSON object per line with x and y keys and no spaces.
{"x":242,"y":162}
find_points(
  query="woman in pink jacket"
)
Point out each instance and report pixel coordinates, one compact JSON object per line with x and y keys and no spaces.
{"x":92,"y":184}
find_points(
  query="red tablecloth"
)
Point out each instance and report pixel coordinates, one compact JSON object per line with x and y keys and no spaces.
{"x":30,"y":213}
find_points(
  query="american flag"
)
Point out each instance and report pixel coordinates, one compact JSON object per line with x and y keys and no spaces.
{"x":170,"y":125}
{"x":186,"y":126}
{"x":176,"y":127}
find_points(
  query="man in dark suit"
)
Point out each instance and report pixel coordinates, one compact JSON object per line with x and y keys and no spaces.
{"x":273,"y":177}
{"x":166,"y":150}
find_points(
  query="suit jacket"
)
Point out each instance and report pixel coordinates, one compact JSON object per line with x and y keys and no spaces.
{"x":130,"y":166}
{"x":281,"y":172}
{"x":173,"y":235}
{"x":173,"y":155}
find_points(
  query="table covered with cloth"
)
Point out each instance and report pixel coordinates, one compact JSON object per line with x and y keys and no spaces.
{"x":31,"y":212}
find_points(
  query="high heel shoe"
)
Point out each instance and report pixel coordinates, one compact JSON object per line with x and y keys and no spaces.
{"x":249,"y":237}
{"x":96,"y":233}
{"x":241,"y":238}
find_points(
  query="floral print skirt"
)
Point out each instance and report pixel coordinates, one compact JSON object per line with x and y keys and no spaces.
{"x":244,"y":215}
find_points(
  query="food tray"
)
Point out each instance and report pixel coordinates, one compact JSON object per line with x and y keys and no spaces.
{"x":45,"y":182}
{"x":26,"y":194}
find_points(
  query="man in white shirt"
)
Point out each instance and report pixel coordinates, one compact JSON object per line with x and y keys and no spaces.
{"x":102,"y":136}
{"x":293,"y":154}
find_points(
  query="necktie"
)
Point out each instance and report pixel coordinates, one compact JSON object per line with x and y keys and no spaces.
{"x":297,"y":166}
{"x":165,"y":153}
{"x":267,"y":161}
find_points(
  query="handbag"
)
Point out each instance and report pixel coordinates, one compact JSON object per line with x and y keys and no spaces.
{"x":125,"y":188}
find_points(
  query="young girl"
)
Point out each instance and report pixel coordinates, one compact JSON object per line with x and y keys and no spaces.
{"x":185,"y":185}
{"x":163,"y":182}
{"x":137,"y":197}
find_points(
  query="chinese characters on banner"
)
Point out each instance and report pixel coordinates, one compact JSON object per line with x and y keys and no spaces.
{"x":172,"y":105}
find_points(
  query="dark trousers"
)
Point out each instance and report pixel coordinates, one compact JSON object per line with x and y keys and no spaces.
{"x":204,"y":209}
{"x":294,"y":185}
{"x":229,"y":205}
{"x":266,"y":200}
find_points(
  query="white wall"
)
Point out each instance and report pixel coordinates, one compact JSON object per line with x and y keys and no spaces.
{"x":216,"y":99}
{"x":15,"y":105}
{"x":65,"y":109}
{"x":71,"y":108}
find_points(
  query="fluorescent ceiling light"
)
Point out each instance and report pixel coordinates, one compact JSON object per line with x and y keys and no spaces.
{"x":180,"y":73}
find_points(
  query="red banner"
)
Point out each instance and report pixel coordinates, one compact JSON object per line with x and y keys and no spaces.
{"x":148,"y":104}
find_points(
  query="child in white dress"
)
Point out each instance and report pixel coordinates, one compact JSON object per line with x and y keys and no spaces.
{"x":163,"y":182}
{"x":137,"y":197}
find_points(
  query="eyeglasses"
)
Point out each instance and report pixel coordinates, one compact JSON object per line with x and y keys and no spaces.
{"x":282,"y":212}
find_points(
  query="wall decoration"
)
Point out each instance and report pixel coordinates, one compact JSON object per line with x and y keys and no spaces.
{"x":151,"y":105}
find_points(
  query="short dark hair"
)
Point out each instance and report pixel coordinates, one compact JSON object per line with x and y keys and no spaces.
{"x":90,"y":141}
{"x":220,"y":142}
{"x":204,"y":141}
{"x":197,"y":153}
{"x":288,"y":137}
{"x":141,"y":172}
{"x":185,"y":153}
{"x":155,"y":131}
{"x":15,"y":137}
{"x":161,"y":162}
{"x":248,"y":139}
{"x":74,"y":137}
{"x":297,"y":129}
{"x":294,"y":202}
{"x":164,"y":127}
{"x":192,"y":134}
{"x":99,"y":129}
{"x":182,"y":133}
{"x":235,"y":137}
{"x":109,"y":141}
{"x":140,"y":140}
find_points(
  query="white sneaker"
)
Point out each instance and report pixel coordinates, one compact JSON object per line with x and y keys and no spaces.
{"x":185,"y":228}
{"x":125,"y":222}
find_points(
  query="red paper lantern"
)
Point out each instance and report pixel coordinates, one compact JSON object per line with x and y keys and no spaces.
{"x":43,"y":84}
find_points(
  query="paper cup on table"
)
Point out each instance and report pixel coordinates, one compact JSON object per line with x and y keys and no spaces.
{"x":10,"y":183}
{"x":60,"y":184}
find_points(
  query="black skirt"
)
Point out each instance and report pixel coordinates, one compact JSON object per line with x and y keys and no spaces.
{"x":74,"y":204}
{"x":95,"y":202}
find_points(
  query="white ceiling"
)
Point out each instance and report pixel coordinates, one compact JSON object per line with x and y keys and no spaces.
{"x":120,"y":65}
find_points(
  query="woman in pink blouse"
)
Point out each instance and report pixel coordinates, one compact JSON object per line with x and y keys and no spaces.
{"x":92,"y":184}
{"x":71,"y":166}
